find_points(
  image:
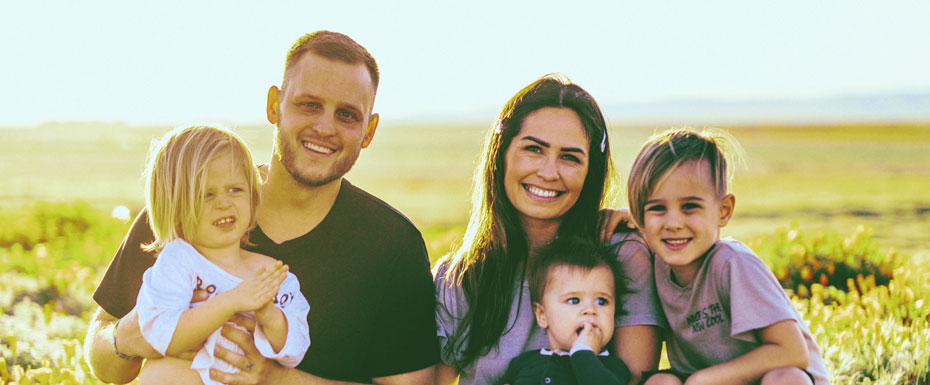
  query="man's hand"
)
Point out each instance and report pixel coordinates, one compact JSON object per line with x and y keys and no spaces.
{"x":253,"y":367}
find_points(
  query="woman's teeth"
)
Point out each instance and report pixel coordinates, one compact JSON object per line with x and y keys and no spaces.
{"x":540,"y":192}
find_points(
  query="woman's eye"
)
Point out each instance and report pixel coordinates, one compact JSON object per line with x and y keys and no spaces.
{"x":571,"y":158}
{"x":602,"y":301}
{"x":533,"y":148}
{"x":573,"y":301}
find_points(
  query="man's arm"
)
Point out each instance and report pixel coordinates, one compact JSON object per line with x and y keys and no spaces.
{"x":100,"y":353}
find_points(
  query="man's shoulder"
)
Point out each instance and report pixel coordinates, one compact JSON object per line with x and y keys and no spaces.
{"x":377,"y":213}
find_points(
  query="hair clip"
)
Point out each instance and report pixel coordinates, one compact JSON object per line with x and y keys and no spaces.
{"x":499,"y":127}
{"x":604,"y":141}
{"x":672,"y":147}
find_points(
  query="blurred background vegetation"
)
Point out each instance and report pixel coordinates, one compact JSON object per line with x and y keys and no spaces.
{"x":841,"y":213}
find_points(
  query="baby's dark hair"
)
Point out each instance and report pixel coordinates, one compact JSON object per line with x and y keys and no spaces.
{"x":581,"y":253}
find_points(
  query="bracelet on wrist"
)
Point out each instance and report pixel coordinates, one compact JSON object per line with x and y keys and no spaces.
{"x":115,"y":350}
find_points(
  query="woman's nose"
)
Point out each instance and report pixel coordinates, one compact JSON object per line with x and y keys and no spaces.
{"x":548,"y":169}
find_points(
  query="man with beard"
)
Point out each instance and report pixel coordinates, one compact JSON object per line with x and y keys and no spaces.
{"x":361,"y":264}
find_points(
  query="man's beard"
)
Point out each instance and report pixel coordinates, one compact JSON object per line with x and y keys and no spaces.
{"x":287,"y":155}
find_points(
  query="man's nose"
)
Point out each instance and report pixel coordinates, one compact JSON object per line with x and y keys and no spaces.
{"x":325,"y":125}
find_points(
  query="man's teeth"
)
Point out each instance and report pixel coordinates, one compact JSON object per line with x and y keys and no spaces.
{"x":540,"y":192}
{"x":676,"y":242}
{"x":321,"y":149}
{"x":224,"y":221}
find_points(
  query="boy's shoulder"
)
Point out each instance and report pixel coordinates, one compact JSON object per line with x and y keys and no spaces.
{"x":729,"y":254}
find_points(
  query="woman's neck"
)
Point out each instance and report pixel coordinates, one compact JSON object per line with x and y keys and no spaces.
{"x":539,"y":232}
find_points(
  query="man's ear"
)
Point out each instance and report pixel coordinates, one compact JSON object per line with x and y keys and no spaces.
{"x":370,"y":130}
{"x":540,"y":312}
{"x":273,"y":103}
{"x":727,"y":205}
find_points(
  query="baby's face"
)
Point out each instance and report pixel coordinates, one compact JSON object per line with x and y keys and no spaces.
{"x":573,"y":299}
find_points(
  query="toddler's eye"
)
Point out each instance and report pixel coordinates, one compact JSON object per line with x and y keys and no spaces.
{"x":573,"y":301}
{"x":602,"y":301}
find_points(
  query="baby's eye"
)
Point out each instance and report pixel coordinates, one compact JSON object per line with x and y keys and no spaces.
{"x":602,"y":301}
{"x":573,"y":301}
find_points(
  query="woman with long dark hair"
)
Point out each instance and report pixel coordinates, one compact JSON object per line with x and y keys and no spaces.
{"x":545,"y":172}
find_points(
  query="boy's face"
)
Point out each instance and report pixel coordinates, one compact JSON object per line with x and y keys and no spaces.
{"x":574,"y":298}
{"x":683,"y":217}
{"x":226,"y":212}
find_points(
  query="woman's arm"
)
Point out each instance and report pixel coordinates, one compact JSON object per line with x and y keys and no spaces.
{"x":639,"y":346}
{"x":782,"y":346}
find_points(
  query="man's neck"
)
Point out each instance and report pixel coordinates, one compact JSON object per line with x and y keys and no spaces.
{"x":289,"y":208}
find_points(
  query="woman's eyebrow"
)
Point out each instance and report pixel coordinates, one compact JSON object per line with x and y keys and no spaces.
{"x":547,"y":145}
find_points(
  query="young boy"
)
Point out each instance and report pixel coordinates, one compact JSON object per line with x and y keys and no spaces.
{"x":730,"y":321}
{"x":574,"y":286}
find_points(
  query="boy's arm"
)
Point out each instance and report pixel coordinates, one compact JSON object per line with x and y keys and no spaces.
{"x":589,"y":370}
{"x":782,"y":346}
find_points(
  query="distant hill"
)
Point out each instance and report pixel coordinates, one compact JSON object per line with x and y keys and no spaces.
{"x":856,"y":108}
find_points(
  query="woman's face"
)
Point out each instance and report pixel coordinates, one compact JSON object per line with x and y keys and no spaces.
{"x":546,"y":164}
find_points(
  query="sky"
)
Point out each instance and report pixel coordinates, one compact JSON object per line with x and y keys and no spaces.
{"x":174,"y":62}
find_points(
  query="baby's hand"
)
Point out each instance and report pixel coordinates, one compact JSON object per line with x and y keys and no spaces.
{"x":255,"y":292}
{"x":590,"y":335}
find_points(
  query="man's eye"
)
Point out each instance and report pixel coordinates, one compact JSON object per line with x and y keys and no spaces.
{"x":347,"y":115}
{"x":310,"y":104}
{"x":602,"y":301}
{"x":573,"y":301}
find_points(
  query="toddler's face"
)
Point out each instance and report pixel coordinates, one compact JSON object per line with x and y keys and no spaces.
{"x":683,"y":217}
{"x":573,"y":298}
{"x":226,"y":206}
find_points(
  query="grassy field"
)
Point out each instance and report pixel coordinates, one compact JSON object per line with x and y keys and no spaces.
{"x":826,"y":206}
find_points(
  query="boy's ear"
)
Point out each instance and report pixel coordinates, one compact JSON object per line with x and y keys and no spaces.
{"x":727,"y":205}
{"x":540,"y":312}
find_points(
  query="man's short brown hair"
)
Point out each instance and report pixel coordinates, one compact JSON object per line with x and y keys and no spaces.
{"x":333,"y":46}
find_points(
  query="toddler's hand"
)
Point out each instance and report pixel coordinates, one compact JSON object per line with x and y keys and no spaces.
{"x":255,"y":292}
{"x":590,"y":335}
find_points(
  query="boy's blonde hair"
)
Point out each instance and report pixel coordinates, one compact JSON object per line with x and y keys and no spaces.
{"x":664,"y":152}
{"x":176,"y":174}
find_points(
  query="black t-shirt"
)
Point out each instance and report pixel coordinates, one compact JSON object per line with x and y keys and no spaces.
{"x":364,"y":270}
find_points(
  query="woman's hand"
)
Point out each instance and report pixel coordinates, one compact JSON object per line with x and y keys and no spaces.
{"x":612,"y":221}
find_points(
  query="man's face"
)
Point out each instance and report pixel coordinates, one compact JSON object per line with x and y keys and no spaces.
{"x":323,"y":117}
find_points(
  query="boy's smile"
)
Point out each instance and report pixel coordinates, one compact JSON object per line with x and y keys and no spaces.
{"x":683,"y":217}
